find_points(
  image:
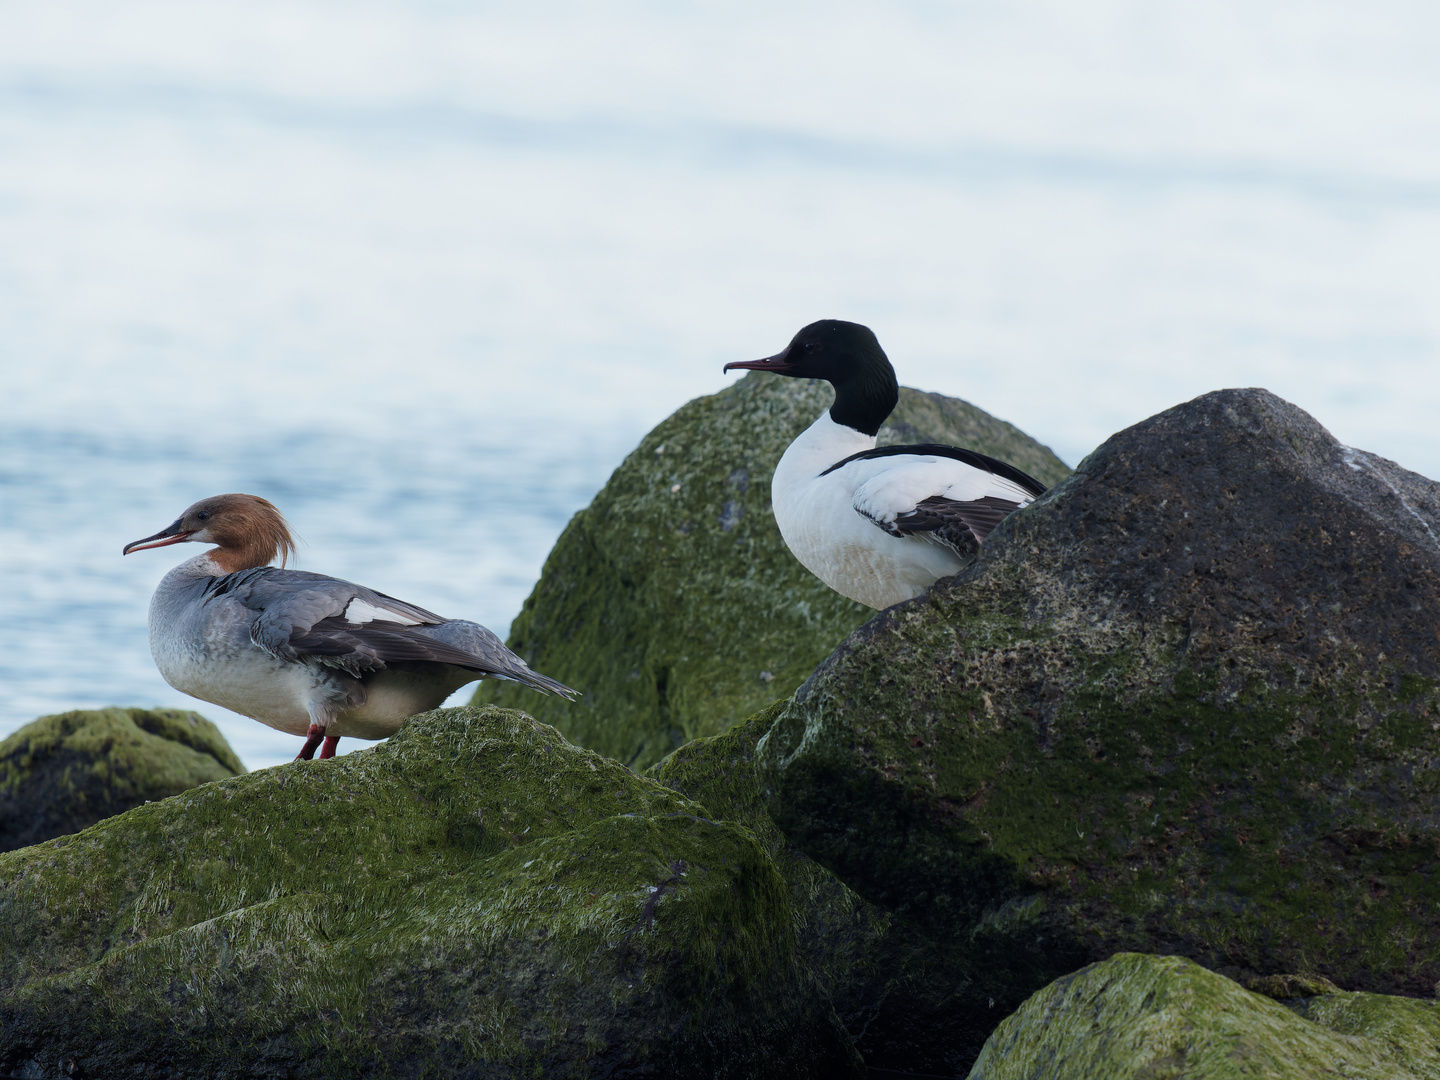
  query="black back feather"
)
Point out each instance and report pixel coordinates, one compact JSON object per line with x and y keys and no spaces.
{"x":958,"y":453}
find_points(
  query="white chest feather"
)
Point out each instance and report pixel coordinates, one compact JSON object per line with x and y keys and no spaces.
{"x":821,"y":525}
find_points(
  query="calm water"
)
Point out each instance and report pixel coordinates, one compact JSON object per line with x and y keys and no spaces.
{"x":423,"y":272}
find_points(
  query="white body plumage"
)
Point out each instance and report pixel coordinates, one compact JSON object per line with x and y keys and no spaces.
{"x":831,"y":520}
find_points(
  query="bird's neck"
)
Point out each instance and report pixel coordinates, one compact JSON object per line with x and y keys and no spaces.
{"x":863,"y":402}
{"x":202,"y":566}
{"x":232,"y":559}
{"x":819,"y":446}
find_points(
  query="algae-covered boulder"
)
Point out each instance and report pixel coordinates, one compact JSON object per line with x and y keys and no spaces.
{"x":909,"y":1003}
{"x":63,"y":773}
{"x":1187,"y":702}
{"x":671,"y":600}
{"x":473,"y":898}
{"x":1137,"y":1017}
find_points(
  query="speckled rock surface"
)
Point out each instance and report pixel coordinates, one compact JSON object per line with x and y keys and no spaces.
{"x":1136,"y":1017}
{"x":1188,"y":702}
{"x":671,"y":600}
{"x":474,"y":897}
{"x":63,"y":773}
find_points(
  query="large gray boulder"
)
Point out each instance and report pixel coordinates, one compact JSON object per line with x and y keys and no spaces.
{"x":63,"y":773}
{"x":672,"y":603}
{"x":474,"y":897}
{"x":1187,"y":702}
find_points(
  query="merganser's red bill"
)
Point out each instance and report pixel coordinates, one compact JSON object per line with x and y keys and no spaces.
{"x":779,"y":362}
{"x":171,"y":534}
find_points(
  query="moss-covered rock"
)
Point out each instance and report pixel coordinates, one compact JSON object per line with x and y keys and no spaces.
{"x":1136,"y":1017}
{"x":63,"y":773}
{"x":909,"y":1003}
{"x":1188,"y":702}
{"x":473,"y":898}
{"x":671,"y":600}
{"x":1290,"y":987}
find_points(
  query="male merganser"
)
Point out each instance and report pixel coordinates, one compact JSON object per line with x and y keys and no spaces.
{"x":305,"y":653}
{"x":878,"y":525}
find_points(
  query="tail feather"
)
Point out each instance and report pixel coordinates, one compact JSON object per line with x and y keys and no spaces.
{"x":542,"y":683}
{"x":490,"y":657}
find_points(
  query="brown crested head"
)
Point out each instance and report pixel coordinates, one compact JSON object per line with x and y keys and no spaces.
{"x":248,"y":530}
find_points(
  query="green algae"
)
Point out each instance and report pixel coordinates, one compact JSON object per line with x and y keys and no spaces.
{"x":852,"y":947}
{"x":1400,"y":1029}
{"x":719,"y":772}
{"x":1167,"y":1018}
{"x":62,"y":773}
{"x":671,"y":600}
{"x":910,"y":1001}
{"x":474,"y":897}
{"x":1288,"y":986}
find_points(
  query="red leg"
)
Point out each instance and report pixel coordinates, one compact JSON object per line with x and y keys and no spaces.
{"x":328,"y":750}
{"x":312,"y":740}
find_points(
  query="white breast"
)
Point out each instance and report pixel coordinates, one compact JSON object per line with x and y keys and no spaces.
{"x":236,"y":675}
{"x":821,"y":522}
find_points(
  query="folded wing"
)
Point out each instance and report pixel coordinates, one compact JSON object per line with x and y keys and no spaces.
{"x":300,"y":616}
{"x":955,"y":501}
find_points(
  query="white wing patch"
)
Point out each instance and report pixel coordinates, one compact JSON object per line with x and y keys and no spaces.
{"x":358,"y":612}
{"x":901,"y":487}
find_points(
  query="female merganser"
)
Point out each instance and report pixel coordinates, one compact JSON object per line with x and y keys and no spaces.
{"x":305,"y":653}
{"x":878,"y":525}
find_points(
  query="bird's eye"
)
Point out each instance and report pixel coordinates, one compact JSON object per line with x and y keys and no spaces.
{"x":811,"y":346}
{"x":203,"y":515}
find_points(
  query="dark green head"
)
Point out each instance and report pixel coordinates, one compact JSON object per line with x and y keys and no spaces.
{"x":847,"y":356}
